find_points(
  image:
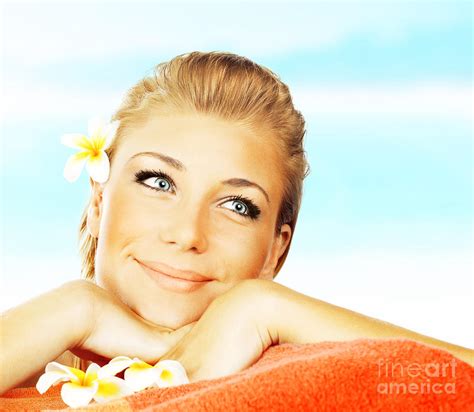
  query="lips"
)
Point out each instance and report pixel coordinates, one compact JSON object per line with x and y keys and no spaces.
{"x":169,"y":278}
{"x":174,"y":273}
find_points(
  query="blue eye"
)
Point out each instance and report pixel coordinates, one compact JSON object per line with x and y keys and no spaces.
{"x":244,"y":207}
{"x":159,"y":180}
{"x":240,"y":207}
{"x":162,"y":183}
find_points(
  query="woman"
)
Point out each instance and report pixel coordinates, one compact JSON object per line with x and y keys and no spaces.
{"x":181,"y":244}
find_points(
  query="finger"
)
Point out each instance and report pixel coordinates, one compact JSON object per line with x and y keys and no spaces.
{"x":171,"y":340}
{"x":163,"y":342}
{"x":176,"y":340}
{"x":175,"y":336}
{"x":154,"y":325}
{"x":169,"y":355}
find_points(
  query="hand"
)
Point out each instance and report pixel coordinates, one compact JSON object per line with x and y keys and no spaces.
{"x":229,"y":337}
{"x":115,"y":330}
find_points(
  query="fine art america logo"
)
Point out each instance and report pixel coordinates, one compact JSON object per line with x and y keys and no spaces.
{"x":415,"y":378}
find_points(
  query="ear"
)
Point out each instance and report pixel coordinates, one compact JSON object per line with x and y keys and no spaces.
{"x":94,"y":213}
{"x":279,"y":246}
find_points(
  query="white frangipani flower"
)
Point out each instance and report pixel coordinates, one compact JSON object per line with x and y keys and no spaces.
{"x":82,"y":387}
{"x":100,"y":384}
{"x":91,"y":150}
{"x":170,"y":373}
{"x":141,"y":375}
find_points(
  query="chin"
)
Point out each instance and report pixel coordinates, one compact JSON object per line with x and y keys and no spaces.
{"x":172,"y":319}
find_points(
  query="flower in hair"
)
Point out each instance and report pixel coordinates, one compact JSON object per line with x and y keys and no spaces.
{"x":91,"y":150}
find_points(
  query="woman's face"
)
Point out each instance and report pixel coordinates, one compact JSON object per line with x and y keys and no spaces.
{"x":169,"y":208}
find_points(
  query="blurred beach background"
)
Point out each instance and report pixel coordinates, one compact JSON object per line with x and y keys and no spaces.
{"x":385,"y":227}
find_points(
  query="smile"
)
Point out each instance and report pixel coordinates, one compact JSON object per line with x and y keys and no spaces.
{"x":173,"y":283}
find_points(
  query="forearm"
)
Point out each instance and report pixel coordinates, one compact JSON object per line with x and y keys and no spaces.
{"x":303,"y":319}
{"x":39,"y":331}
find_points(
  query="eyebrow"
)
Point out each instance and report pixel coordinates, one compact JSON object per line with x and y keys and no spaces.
{"x":176,"y":164}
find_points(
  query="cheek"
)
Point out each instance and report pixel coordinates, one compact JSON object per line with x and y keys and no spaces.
{"x":124,"y":219}
{"x":244,"y":256}
{"x":122,"y":222}
{"x":122,"y":225}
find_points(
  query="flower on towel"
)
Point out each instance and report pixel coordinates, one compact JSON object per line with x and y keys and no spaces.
{"x":96,"y":383}
{"x":141,"y":375}
{"x":91,"y":150}
{"x":101,"y":384}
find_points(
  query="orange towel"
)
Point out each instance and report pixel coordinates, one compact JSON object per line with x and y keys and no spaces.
{"x":362,"y":374}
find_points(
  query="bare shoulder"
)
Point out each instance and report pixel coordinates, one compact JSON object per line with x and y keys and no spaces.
{"x":67,"y":359}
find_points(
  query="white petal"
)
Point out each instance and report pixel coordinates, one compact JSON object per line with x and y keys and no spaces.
{"x":109,"y":133}
{"x":170,"y":373}
{"x":75,"y":395}
{"x":111,"y":388}
{"x":140,"y":376}
{"x":74,"y":165}
{"x":76,"y":375}
{"x":91,"y":374}
{"x":96,"y":126}
{"x":116,"y":365}
{"x":98,"y":167}
{"x":48,"y":379}
{"x":76,"y":141}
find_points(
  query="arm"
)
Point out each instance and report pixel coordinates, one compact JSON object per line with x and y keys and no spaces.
{"x":38,"y":331}
{"x":296,"y":318}
{"x":239,"y":325}
{"x":82,"y":317}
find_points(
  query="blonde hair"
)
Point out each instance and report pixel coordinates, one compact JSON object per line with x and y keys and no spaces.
{"x":228,"y":86}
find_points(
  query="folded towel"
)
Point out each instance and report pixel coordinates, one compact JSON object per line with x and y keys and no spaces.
{"x":362,"y":374}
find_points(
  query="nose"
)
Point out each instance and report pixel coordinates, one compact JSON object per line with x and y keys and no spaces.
{"x":185,"y":227}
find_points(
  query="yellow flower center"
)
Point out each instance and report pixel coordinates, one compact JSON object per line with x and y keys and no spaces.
{"x":107,"y":389}
{"x":166,"y":375}
{"x":93,"y":146}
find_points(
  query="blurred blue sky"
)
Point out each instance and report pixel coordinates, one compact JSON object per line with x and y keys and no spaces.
{"x":386,"y":90}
